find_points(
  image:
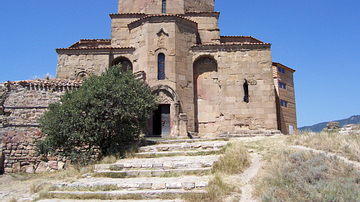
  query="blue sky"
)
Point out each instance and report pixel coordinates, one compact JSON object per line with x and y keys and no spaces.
{"x":319,"y":39}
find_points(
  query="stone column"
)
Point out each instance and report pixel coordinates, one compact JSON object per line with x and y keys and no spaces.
{"x":183,"y":122}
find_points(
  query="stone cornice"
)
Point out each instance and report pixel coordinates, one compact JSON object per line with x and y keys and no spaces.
{"x":127,"y":15}
{"x":94,"y":50}
{"x":230,"y":47}
{"x":201,"y":14}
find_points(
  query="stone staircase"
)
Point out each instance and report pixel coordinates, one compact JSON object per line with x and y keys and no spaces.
{"x":164,"y":171}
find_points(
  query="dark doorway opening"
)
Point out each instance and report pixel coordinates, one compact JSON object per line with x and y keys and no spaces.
{"x":161,"y":120}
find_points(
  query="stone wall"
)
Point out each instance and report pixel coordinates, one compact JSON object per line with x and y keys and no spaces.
{"x":21,"y":105}
{"x":235,"y":64}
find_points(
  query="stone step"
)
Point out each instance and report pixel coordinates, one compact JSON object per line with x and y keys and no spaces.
{"x":177,"y":153}
{"x":176,"y":141}
{"x":249,"y":133}
{"x":153,"y":173}
{"x":122,"y":194}
{"x":159,"y":163}
{"x":75,"y":200}
{"x":199,"y":146}
{"x":152,"y":183}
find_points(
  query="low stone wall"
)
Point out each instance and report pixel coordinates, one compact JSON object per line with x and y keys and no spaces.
{"x":21,"y":105}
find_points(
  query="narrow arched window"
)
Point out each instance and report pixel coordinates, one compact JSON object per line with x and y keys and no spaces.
{"x":246,"y":91}
{"x":163,"y":6}
{"x":161,"y":66}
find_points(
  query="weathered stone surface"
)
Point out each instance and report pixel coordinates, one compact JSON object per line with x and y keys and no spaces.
{"x":173,"y":185}
{"x":29,"y":169}
{"x":16,"y":167}
{"x":188,"y":185}
{"x":145,"y":185}
{"x":53,"y":165}
{"x":41,"y":167}
{"x":60,"y":165}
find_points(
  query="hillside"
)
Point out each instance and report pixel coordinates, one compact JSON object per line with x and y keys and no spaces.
{"x":318,"y":127}
{"x":261,"y":168}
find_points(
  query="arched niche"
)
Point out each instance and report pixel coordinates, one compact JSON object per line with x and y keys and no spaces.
{"x":125,"y":63}
{"x":206,"y":94}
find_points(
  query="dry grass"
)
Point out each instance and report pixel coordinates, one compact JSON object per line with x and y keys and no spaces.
{"x":305,"y":176}
{"x":108,"y":159}
{"x":234,"y":161}
{"x":226,"y":183}
{"x":217,"y":191}
{"x":344,"y":145}
{"x":13,"y":200}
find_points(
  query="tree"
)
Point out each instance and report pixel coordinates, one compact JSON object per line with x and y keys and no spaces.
{"x":107,"y":112}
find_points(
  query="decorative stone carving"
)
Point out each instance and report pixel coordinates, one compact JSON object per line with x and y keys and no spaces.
{"x":164,"y":97}
{"x":162,"y":38}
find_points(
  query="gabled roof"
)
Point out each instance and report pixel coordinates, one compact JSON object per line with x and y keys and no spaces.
{"x":91,"y":43}
{"x":240,"y":39}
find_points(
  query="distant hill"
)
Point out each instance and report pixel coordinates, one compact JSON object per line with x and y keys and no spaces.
{"x":318,"y":127}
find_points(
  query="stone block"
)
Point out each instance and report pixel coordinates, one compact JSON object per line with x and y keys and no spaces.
{"x":53,"y":164}
{"x":60,"y":165}
{"x":158,"y":186}
{"x":157,"y":165}
{"x":173,"y":185}
{"x":16,"y":167}
{"x":145,"y":185}
{"x":8,"y":169}
{"x":42,"y":166}
{"x":188,"y":185}
{"x":29,"y":169}
{"x":168,"y":165}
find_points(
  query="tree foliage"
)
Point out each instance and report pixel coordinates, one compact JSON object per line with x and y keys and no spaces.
{"x":107,"y":112}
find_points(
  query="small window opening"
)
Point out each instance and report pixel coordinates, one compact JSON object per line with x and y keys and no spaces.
{"x":282,"y":85}
{"x":246,"y":91}
{"x":161,"y":66}
{"x":283,"y":103}
{"x":281,"y":70}
{"x":163,"y":7}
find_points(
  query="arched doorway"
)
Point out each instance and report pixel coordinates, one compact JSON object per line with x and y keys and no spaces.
{"x":125,"y":63}
{"x":165,"y":120}
{"x":206,"y":94}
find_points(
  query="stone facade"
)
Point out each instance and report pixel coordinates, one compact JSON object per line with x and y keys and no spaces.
{"x":211,"y":83}
{"x":208,"y":85}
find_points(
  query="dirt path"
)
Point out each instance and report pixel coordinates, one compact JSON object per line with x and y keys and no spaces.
{"x":249,"y":173}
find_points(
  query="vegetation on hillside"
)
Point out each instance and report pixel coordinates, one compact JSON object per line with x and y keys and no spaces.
{"x":306,"y":176}
{"x":345,"y":145}
{"x":291,"y":174}
{"x":108,"y":113}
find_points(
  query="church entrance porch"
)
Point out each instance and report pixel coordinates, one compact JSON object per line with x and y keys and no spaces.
{"x":161,"y":120}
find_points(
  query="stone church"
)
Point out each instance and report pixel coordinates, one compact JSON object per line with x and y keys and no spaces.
{"x":208,"y":84}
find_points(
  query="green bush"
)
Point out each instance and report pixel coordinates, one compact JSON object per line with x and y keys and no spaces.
{"x":107,"y":112}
